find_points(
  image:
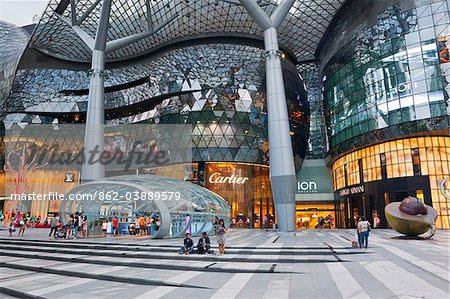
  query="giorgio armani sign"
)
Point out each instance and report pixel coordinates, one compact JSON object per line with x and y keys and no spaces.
{"x":351,"y":190}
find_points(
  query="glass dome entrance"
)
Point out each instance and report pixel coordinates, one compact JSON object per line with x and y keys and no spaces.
{"x":179,"y":206}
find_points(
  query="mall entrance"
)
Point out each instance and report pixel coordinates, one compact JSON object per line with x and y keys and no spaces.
{"x":246,"y":188}
{"x":315,"y":215}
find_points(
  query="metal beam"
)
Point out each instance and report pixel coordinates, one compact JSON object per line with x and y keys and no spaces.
{"x":128,"y":40}
{"x":281,"y":12}
{"x":102,"y":29}
{"x":258,"y":14}
{"x":262,"y":3}
{"x":73,"y":12}
{"x":149,"y":16}
{"x":95,"y":119}
{"x":87,"y":12}
{"x":86,"y":38}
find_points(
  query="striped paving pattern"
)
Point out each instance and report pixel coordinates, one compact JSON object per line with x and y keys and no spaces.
{"x":258,"y":264}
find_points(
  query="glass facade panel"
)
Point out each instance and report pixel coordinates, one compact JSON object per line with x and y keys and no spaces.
{"x":399,"y":78}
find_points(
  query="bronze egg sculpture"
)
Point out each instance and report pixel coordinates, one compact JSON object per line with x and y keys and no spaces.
{"x":411,"y":217}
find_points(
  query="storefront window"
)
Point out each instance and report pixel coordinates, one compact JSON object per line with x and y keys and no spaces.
{"x":422,"y":156}
{"x":246,"y":187}
{"x":315,"y":215}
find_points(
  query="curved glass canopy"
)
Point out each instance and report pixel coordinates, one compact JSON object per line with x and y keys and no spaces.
{"x":175,"y":20}
{"x":180,"y":206}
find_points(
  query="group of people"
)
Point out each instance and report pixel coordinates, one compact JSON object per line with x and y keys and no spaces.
{"x":115,"y":226}
{"x":143,"y":225}
{"x":75,"y":227}
{"x":21,"y":220}
{"x":204,"y":243}
{"x":240,"y":222}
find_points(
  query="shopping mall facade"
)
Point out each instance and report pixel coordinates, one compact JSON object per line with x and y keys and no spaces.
{"x":366,"y":85}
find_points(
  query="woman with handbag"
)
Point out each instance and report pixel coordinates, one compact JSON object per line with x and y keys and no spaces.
{"x":363,"y":231}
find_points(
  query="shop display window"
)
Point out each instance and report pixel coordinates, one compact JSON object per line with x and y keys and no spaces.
{"x":421,"y":156}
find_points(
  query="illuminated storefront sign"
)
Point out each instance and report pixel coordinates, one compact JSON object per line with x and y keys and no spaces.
{"x":315,"y":180}
{"x":305,"y":186}
{"x":352,"y":190}
{"x":217,"y":178}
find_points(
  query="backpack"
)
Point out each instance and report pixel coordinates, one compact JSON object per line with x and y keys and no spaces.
{"x":201,"y":249}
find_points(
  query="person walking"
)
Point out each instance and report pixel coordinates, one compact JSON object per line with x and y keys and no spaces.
{"x":115,"y":223}
{"x":83,"y":226}
{"x":221,"y":238}
{"x":142,"y":225}
{"x":80,"y":224}
{"x":104,"y":228}
{"x":363,"y":230}
{"x":12,"y":225}
{"x":2,"y":218}
{"x":53,"y":226}
{"x":69,"y":229}
{"x":265,"y":222}
{"x":23,"y":225}
{"x":76,"y":225}
{"x":137,"y":225}
{"x":376,"y":219}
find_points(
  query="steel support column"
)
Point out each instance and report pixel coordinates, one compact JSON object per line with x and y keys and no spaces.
{"x":95,"y":119}
{"x":282,"y":170}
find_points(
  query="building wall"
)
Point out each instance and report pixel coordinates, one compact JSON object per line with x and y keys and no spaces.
{"x":386,"y":74}
{"x":219,"y":88}
{"x":403,"y":158}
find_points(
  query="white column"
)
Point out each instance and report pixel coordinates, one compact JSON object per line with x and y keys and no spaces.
{"x":282,"y":170}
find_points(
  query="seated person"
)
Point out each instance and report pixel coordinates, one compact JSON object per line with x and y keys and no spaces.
{"x":204,"y":244}
{"x":188,"y":245}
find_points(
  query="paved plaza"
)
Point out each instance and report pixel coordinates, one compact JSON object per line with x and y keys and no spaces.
{"x":258,"y":264}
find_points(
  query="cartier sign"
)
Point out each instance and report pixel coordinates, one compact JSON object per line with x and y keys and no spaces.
{"x":217,"y":178}
{"x":352,"y":190}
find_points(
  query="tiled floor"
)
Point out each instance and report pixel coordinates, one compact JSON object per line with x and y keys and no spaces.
{"x":258,"y":264}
